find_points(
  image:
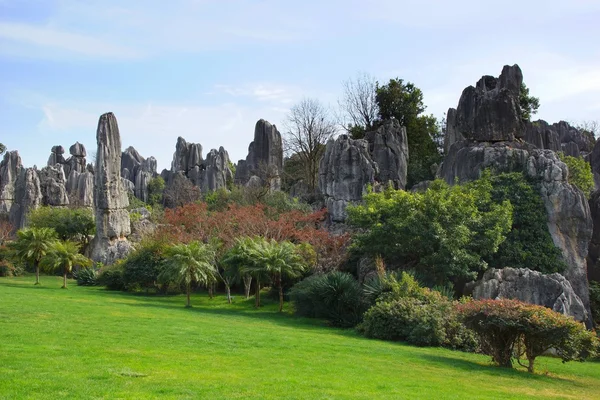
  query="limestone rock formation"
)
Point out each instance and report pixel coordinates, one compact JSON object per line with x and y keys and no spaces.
{"x":553,"y":291}
{"x":56,"y":155}
{"x":493,"y":146}
{"x":559,"y":137}
{"x":110,"y":197}
{"x":489,"y":111}
{"x":216,"y":170}
{"x":53,"y":184}
{"x":10,"y":168}
{"x":265,"y":157}
{"x":77,"y":161}
{"x":388,"y":147}
{"x":345,"y":170}
{"x":80,"y":187}
{"x":19,"y":189}
{"x":187,"y":156}
{"x":138,"y":171}
{"x":593,"y":258}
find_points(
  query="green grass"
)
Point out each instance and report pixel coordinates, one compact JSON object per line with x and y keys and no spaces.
{"x":90,"y":343}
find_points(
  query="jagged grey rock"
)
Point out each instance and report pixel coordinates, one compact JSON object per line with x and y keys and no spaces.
{"x":110,"y":197}
{"x":388,"y":147}
{"x":344,"y":171}
{"x":265,"y":157}
{"x":593,"y":258}
{"x":141,"y":224}
{"x":553,"y":291}
{"x":186,"y":156}
{"x":80,"y":187}
{"x":490,"y":110}
{"x":138,"y":171}
{"x":53,"y":184}
{"x":56,"y":155}
{"x":452,"y":134}
{"x":10,"y":167}
{"x":216,"y":170}
{"x":559,"y":137}
{"x":28,"y":196}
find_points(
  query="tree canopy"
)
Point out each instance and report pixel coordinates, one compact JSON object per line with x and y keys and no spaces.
{"x":528,"y":104}
{"x":69,"y":223}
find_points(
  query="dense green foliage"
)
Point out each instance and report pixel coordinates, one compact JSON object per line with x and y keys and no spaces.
{"x":277,"y":201}
{"x":404,"y":311}
{"x":142,"y":268}
{"x":111,"y":277}
{"x":86,"y":276}
{"x":103,"y":344}
{"x":69,"y":223}
{"x":404,"y":101}
{"x":528,"y":104}
{"x":528,"y":244}
{"x":32,"y":245}
{"x":595,"y":302}
{"x":335,"y":296}
{"x":580,"y":173}
{"x":156,"y":188}
{"x":444,"y":234}
{"x":504,"y":326}
{"x":62,"y":257}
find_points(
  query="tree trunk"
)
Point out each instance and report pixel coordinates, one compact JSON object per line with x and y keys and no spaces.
{"x":37,"y":274}
{"x":280,"y":294}
{"x":247,"y":284}
{"x":257,"y":296}
{"x":189,"y":289}
{"x":64,"y":286}
{"x":228,"y":289}
{"x":210,"y":291}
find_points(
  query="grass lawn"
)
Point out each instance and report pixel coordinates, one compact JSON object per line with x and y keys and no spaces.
{"x":95,"y":344}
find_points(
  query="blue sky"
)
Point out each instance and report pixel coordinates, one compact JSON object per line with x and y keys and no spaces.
{"x":207,"y":70}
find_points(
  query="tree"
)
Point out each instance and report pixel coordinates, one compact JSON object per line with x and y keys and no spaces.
{"x":580,"y":173}
{"x":180,"y":191}
{"x":69,"y":223}
{"x":591,"y":127}
{"x":64,"y":256}
{"x":358,"y":105}
{"x":309,"y":127}
{"x":240,"y":259}
{"x":444,"y":234}
{"x":528,"y":104}
{"x":6,"y":230}
{"x":156,"y":188}
{"x":32,"y":245}
{"x":189,"y":263}
{"x":404,"y":101}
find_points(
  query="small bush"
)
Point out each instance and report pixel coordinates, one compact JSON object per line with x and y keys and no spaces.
{"x":86,"y":276}
{"x":8,"y":266}
{"x":142,"y":267}
{"x":335,"y":296}
{"x":509,"y":327}
{"x":580,"y":173}
{"x":112,"y":277}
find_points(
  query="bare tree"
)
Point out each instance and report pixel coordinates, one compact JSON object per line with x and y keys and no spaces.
{"x":308,"y":127}
{"x":591,"y":126}
{"x":181,"y":191}
{"x":358,"y":105}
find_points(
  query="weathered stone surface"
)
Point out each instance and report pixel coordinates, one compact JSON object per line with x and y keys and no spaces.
{"x":553,"y":291}
{"x":452,"y":133}
{"x":141,"y":185}
{"x":345,"y":170}
{"x":110,"y":197}
{"x":187,"y":156}
{"x":28,"y":197}
{"x":128,"y":186}
{"x":265,"y":157}
{"x":216,"y":170}
{"x":141,"y":224}
{"x":138,"y":171}
{"x":53,"y":186}
{"x":80,"y":187}
{"x":78,"y":150}
{"x":388,"y":147}
{"x":10,"y":168}
{"x":593,"y":258}
{"x":56,"y":155}
{"x":558,"y":137}
{"x":490,"y":110}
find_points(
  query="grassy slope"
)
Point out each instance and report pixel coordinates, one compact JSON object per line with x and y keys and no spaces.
{"x":91,"y":343}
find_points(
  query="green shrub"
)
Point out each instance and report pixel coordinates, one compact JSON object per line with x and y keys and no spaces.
{"x":335,"y":296}
{"x":509,"y":327}
{"x":86,"y":276}
{"x":142,"y":267}
{"x":580,"y":173}
{"x":404,"y":311}
{"x":112,"y":277}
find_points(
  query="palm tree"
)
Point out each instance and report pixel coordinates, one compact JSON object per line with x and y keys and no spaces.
{"x":32,"y":245}
{"x":63,"y":256}
{"x":188,"y":263}
{"x":242,"y":260}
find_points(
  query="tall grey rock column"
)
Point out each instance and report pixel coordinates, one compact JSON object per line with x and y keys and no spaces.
{"x":110,"y":198}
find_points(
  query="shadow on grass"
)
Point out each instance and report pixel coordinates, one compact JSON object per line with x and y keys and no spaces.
{"x":493,"y":370}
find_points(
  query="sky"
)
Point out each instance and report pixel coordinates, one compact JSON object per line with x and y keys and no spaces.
{"x":207,"y":70}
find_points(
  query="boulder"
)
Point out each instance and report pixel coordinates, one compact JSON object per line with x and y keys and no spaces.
{"x":388,"y":147}
{"x":489,"y":111}
{"x":344,"y":172}
{"x":553,"y":291}
{"x":110,"y":197}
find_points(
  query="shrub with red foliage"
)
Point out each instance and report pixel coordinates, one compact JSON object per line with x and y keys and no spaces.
{"x":508,"y":328}
{"x":195,"y":221}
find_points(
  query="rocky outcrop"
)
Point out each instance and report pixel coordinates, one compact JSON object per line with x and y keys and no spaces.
{"x":77,"y":161}
{"x":488,"y":111}
{"x":186,"y":156}
{"x":265,"y":157}
{"x":80,"y":187}
{"x":345,"y":170}
{"x":216,"y":172}
{"x":559,"y":137}
{"x":53,"y":184}
{"x":10,"y":168}
{"x":138,"y":171}
{"x":56,"y":156}
{"x":28,"y":196}
{"x":388,"y":147}
{"x":110,"y":197}
{"x":569,"y":217}
{"x":553,"y":291}
{"x":593,"y":258}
